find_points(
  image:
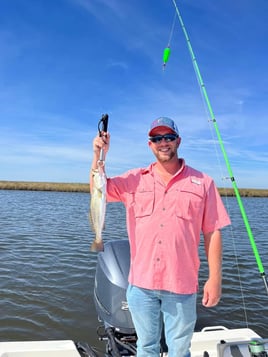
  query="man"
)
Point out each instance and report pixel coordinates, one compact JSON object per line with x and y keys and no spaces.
{"x":168,"y":205}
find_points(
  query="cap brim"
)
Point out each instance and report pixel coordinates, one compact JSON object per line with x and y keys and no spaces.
{"x":154,"y":130}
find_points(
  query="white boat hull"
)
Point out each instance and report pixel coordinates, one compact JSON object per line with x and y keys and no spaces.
{"x":216,"y":341}
{"x":59,"y":348}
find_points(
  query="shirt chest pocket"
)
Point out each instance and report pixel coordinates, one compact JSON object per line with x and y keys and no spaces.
{"x":189,"y":205}
{"x":143,"y":203}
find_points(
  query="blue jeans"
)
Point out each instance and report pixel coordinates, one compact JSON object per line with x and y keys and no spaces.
{"x":148,"y":310}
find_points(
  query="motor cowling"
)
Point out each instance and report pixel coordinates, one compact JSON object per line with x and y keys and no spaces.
{"x":111,"y":282}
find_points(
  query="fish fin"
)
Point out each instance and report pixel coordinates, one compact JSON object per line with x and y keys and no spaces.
{"x":97,"y":246}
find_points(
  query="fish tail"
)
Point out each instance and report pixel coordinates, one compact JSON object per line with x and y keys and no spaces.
{"x":97,"y":246}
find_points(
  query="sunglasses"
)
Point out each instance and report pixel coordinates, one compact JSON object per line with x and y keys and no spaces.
{"x":166,"y":137}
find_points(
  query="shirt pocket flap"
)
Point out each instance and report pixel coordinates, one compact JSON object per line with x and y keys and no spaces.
{"x":191,"y":203}
{"x":144,"y":203}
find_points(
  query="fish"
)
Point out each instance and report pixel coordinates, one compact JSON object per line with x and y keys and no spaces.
{"x":98,"y":208}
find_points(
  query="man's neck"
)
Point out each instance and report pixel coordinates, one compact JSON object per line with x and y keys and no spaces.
{"x":166,"y":171}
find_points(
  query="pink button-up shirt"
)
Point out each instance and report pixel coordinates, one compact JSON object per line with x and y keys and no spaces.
{"x":164,"y":223}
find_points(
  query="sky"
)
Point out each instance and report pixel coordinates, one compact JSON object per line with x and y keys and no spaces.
{"x":64,"y":63}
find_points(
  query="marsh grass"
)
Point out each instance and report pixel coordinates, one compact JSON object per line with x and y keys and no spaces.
{"x":83,"y":187}
{"x":44,"y":186}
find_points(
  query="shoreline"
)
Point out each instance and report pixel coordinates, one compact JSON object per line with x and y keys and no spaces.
{"x":44,"y":186}
{"x":84,"y":187}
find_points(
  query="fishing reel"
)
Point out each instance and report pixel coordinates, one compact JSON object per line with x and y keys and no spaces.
{"x":257,"y":349}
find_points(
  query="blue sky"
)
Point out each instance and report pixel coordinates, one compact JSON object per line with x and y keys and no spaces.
{"x":64,"y":63}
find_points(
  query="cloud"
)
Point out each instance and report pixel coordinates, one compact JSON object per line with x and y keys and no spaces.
{"x":99,"y":8}
{"x":114,"y":64}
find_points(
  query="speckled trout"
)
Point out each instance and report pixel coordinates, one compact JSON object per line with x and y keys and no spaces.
{"x":98,"y":207}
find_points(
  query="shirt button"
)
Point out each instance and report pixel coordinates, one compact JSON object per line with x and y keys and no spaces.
{"x":161,"y":225}
{"x":158,"y":259}
{"x":164,"y":209}
{"x":159,"y":242}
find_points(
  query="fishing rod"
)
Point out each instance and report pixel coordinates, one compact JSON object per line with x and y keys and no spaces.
{"x":212,"y":117}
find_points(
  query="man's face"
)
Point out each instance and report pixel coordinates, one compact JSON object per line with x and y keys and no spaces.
{"x":164,"y":148}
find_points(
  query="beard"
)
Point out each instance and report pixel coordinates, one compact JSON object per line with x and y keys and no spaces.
{"x":166,"y":156}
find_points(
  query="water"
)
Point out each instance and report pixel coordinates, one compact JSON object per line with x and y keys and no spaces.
{"x":47,"y":271}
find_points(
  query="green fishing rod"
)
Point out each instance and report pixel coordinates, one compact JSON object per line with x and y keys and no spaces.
{"x":230,"y":172}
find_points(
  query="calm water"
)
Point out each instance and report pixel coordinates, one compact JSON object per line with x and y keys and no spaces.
{"x":47,"y":270}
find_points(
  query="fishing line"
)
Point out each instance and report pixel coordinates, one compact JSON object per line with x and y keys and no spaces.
{"x":166,"y":52}
{"x":172,"y":29}
{"x":226,"y":202}
{"x":229,"y":169}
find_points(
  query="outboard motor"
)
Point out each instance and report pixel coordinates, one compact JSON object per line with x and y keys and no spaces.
{"x":111,"y":281}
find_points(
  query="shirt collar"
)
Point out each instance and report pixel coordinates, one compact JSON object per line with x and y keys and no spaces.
{"x":149,"y":169}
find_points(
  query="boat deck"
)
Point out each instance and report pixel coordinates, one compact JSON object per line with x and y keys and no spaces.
{"x":219,"y":341}
{"x":216,"y":341}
